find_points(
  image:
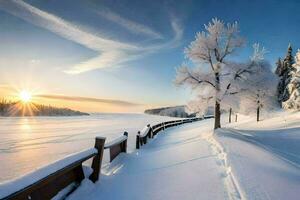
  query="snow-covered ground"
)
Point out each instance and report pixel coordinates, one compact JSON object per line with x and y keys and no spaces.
{"x":243,"y":160}
{"x":264,"y":157}
{"x":28,"y":143}
{"x":178,"y":164}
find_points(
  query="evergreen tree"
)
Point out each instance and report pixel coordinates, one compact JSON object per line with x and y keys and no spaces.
{"x":293,"y":86}
{"x":279,"y":72}
{"x":288,"y":60}
{"x":279,"y":68}
{"x":284,"y":70}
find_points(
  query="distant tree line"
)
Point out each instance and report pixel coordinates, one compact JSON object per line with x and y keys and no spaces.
{"x":175,"y":111}
{"x":17,"y":108}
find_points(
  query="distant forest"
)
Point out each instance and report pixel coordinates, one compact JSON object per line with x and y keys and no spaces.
{"x":175,"y":111}
{"x":17,"y":108}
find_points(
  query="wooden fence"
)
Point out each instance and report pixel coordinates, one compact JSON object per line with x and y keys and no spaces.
{"x":68,"y":171}
{"x":150,"y":132}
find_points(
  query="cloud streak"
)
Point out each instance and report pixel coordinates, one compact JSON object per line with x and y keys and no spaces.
{"x":87,"y":99}
{"x":112,"y":53}
{"x":129,"y":25}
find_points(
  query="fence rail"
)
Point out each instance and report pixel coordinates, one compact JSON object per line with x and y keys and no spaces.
{"x":46,"y":182}
{"x":117,"y":146}
{"x":150,"y":132}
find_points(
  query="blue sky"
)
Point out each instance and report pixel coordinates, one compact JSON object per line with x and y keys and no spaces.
{"x":125,"y":50}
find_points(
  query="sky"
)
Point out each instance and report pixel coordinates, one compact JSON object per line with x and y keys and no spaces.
{"x":121,"y":55}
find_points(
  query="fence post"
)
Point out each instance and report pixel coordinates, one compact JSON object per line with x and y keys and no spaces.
{"x":124,"y":145}
{"x":97,"y":161}
{"x":152,"y":134}
{"x":137,"y":144}
{"x":149,"y":132}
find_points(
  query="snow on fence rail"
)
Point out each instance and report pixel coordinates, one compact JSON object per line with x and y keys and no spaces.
{"x":150,"y":132}
{"x":47,"y":182}
{"x":22,"y":187}
{"x":117,"y":146}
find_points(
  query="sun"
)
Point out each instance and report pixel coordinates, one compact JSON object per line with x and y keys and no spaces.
{"x":25,"y":96}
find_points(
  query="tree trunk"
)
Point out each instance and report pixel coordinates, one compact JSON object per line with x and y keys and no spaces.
{"x":257,"y":114}
{"x":217,"y":116}
{"x":230,"y":111}
{"x":217,"y":106}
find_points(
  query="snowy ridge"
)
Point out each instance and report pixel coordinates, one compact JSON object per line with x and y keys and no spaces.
{"x":233,"y":188}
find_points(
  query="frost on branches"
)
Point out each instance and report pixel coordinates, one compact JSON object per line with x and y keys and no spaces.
{"x":218,"y":81}
{"x":209,"y":51}
{"x":258,"y":89}
{"x":294,"y":86}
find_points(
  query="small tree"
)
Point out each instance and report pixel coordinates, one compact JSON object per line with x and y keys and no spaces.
{"x":259,"y":90}
{"x":209,"y":51}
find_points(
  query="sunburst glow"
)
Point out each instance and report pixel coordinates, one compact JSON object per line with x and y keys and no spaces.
{"x":25,"y":96}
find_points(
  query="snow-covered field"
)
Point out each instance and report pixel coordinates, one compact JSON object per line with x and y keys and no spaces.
{"x":243,"y":160}
{"x":264,"y":157}
{"x":27,"y":143}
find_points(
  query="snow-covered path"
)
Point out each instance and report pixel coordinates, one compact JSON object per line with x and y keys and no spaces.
{"x":178,"y":164}
{"x":264,"y":157}
{"x":261,"y":173}
{"x":244,"y":160}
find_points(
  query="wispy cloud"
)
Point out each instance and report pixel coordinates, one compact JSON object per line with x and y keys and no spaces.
{"x":111,"y":52}
{"x":5,"y":87}
{"x":129,"y":25}
{"x":61,"y":27}
{"x":87,"y":99}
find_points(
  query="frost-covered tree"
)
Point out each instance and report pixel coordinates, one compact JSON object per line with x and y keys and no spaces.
{"x":259,"y":88}
{"x":203,"y":103}
{"x":293,"y":86}
{"x":284,"y":70}
{"x":209,"y":53}
{"x":244,"y":87}
{"x":261,"y":98}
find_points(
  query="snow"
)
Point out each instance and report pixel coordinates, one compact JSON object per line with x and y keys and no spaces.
{"x":178,"y":164}
{"x":243,"y":160}
{"x":9,"y":187}
{"x":64,"y":193}
{"x":27,"y":143}
{"x":264,"y":157}
{"x":144,"y":131}
{"x":115,"y":141}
